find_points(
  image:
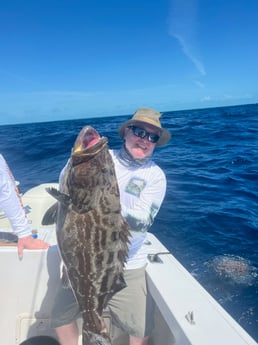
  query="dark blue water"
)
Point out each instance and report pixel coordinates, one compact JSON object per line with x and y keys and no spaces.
{"x":210,"y":209}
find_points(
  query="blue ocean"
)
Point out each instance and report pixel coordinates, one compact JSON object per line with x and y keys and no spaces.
{"x":209,"y":218}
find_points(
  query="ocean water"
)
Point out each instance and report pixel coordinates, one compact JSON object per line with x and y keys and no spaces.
{"x":209,"y":218}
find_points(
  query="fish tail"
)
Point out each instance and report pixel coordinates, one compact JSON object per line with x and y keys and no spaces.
{"x":94,"y":330}
{"x":90,"y":338}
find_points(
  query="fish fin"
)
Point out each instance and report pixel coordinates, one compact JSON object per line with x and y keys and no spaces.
{"x":50,"y":216}
{"x":91,"y":338}
{"x":65,"y":279}
{"x":103,"y":298}
{"x":61,"y":197}
{"x":120,"y":283}
{"x":122,"y":255}
{"x":125,"y":235}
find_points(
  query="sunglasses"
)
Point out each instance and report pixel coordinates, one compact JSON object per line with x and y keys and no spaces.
{"x":142,"y":133}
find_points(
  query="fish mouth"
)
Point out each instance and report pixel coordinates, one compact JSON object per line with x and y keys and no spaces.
{"x":88,"y":138}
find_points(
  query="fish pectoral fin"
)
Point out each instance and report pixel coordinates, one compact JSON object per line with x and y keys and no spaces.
{"x":61,"y":197}
{"x":50,"y":216}
{"x":65,"y":279}
{"x":119,"y":283}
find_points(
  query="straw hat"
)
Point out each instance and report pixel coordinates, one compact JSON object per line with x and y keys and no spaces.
{"x":150,"y":117}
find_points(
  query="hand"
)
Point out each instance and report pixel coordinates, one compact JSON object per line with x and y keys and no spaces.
{"x":30,"y":243}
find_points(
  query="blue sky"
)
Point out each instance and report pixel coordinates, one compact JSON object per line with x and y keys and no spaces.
{"x":64,"y":59}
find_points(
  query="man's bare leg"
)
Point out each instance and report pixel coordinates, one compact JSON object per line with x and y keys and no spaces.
{"x":68,"y":334}
{"x":138,"y":341}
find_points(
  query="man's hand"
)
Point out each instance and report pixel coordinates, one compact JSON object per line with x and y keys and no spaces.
{"x":30,"y":243}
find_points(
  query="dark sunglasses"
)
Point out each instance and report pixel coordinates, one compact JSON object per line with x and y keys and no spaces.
{"x":141,"y":133}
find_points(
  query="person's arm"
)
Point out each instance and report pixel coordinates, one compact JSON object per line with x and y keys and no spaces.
{"x":140,"y":203}
{"x":141,"y":211}
{"x":11,"y":204}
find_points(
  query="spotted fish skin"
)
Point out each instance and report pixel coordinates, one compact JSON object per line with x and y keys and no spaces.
{"x":91,"y":233}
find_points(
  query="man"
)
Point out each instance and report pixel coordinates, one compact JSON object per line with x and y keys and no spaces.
{"x":11,"y":204}
{"x":142,"y":186}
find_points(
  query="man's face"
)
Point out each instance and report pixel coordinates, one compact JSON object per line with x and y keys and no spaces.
{"x":140,"y":148}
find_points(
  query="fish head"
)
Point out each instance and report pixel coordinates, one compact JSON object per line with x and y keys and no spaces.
{"x":89,"y":154}
{"x":90,"y":169}
{"x":87,"y":144}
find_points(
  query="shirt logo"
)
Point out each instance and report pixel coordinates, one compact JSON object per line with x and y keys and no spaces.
{"x":135,"y":186}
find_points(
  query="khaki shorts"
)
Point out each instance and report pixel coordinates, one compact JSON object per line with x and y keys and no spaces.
{"x":131,"y":309}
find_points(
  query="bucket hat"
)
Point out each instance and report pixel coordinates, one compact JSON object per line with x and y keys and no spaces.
{"x":150,"y":117}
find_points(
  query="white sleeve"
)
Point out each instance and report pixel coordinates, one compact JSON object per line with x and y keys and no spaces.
{"x":141,"y":210}
{"x":141,"y":199}
{"x":11,"y":204}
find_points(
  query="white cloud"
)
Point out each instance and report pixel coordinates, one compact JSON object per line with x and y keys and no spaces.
{"x":206,"y":99}
{"x":227,"y":96}
{"x":183,"y":27}
{"x":199,"y":83}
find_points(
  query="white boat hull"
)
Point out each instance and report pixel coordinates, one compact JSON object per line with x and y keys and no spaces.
{"x":186,"y":314}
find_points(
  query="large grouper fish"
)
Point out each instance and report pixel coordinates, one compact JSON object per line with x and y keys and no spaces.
{"x":92,"y":235}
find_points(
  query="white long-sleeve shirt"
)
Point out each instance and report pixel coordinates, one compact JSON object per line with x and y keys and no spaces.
{"x":142,"y":190}
{"x":10,"y":202}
